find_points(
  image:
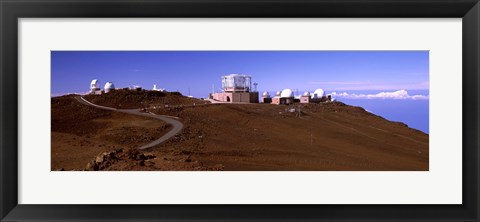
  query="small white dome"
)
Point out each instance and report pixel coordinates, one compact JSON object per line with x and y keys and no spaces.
{"x":286,"y":93}
{"x":109,"y":86}
{"x":278,"y":93}
{"x":319,"y":93}
{"x":266,"y":94}
{"x":306,"y":93}
{"x":95,"y":84}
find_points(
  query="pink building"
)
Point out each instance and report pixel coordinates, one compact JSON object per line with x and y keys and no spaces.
{"x":238,"y":97}
{"x":236,"y":88}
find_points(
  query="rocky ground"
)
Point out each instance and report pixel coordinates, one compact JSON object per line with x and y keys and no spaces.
{"x":325,"y":136}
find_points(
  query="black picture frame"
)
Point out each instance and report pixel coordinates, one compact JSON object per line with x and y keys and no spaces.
{"x":11,"y":11}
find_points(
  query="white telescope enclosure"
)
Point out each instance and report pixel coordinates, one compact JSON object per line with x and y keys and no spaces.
{"x":109,"y":86}
{"x":236,"y":83}
{"x":286,"y":93}
{"x":319,"y":93}
{"x":95,"y":84}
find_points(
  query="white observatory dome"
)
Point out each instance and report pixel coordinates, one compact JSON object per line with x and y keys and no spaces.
{"x":306,"y":93}
{"x":278,"y":93}
{"x":286,"y":93}
{"x":95,"y":84}
{"x":108,"y":86}
{"x":266,"y":94}
{"x":319,"y":93}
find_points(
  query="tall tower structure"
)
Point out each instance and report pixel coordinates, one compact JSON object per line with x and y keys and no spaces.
{"x":236,"y":83}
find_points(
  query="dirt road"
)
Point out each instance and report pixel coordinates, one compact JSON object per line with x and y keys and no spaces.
{"x":177,"y":125}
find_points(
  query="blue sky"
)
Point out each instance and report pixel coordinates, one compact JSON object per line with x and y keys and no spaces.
{"x":334,"y":71}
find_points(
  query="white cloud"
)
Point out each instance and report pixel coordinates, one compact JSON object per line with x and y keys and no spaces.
{"x":400,"y":94}
{"x":62,"y":94}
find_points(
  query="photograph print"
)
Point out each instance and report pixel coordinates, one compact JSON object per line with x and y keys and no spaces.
{"x":239,"y":110}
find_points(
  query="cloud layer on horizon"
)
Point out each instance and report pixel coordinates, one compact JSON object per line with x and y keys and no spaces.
{"x":63,"y":94}
{"x":400,"y":94}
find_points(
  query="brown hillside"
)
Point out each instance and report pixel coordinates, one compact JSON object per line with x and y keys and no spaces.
{"x":325,"y":136}
{"x":80,"y":132}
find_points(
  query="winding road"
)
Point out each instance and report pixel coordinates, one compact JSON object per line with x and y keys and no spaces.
{"x":177,"y":125}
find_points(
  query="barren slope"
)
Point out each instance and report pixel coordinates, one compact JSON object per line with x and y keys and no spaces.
{"x":327,"y":136}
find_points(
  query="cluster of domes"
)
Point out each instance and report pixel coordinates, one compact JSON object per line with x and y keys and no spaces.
{"x":95,"y":86}
{"x":287,"y":93}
